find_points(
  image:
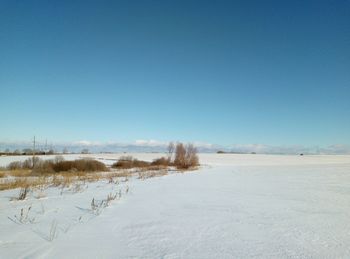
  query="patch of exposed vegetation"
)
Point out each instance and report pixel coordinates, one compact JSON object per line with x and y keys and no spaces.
{"x":39,"y":166}
{"x":37,"y":173}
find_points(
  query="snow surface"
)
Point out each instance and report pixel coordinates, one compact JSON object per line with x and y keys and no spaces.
{"x":235,"y":206}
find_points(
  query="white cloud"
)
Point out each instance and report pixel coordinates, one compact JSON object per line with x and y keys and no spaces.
{"x":87,"y":143}
{"x":151,"y":142}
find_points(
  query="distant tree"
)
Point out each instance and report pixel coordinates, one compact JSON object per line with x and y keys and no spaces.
{"x":27,"y":151}
{"x":85,"y":151}
{"x":65,"y":151}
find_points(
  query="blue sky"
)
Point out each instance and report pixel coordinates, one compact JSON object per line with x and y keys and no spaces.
{"x":222,"y":72}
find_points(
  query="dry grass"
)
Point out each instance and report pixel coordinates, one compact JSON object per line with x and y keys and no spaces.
{"x":121,"y":173}
{"x":17,"y":172}
{"x":66,"y":180}
{"x":150,"y":174}
{"x":23,"y":182}
{"x":63,"y":180}
{"x":17,"y":183}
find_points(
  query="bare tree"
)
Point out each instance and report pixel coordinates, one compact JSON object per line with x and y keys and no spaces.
{"x":191,"y":156}
{"x":171,"y":149}
{"x":180,"y":154}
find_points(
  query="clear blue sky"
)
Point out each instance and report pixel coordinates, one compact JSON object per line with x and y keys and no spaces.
{"x":223,"y":72}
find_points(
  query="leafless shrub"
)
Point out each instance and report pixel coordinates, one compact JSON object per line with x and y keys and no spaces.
{"x":163,"y":161}
{"x":43,"y":167}
{"x":129,"y":162}
{"x":26,"y":164}
{"x":180,"y":156}
{"x":191,"y":156}
{"x":84,"y":165}
{"x":185,"y":157}
{"x":20,"y":165}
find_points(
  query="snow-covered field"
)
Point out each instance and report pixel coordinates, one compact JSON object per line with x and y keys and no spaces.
{"x":235,"y":206}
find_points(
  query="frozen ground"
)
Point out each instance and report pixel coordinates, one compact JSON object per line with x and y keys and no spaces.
{"x":235,"y":206}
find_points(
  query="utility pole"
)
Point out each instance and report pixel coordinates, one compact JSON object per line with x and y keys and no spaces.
{"x":34,"y":152}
